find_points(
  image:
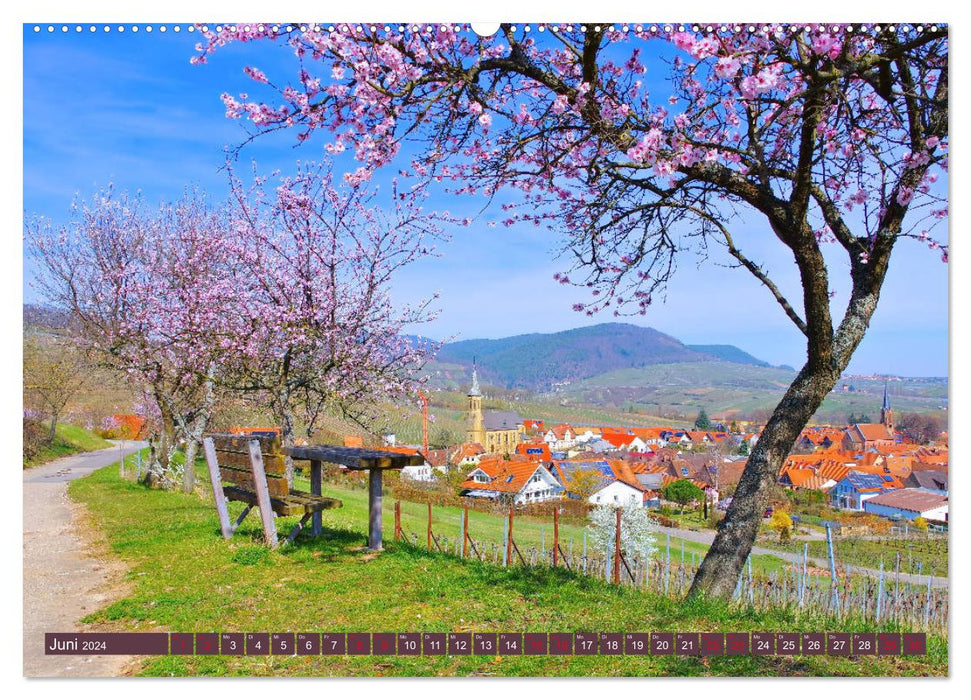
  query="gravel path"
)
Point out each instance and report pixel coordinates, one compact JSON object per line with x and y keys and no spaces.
{"x":66,"y":573}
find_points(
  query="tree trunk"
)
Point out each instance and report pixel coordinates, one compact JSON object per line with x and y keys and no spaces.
{"x":189,"y":473}
{"x":723,"y":564}
{"x":53,"y":431}
{"x":162,"y":448}
{"x":286,"y":436}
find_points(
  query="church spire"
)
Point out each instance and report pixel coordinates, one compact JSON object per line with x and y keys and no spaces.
{"x":474,"y":391}
{"x":886,"y":413}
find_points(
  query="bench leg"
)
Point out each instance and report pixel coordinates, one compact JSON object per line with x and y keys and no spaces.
{"x":315,"y":487}
{"x":374,"y":510}
{"x":262,"y":494}
{"x":296,"y":529}
{"x":242,"y":517}
{"x":217,"y":488}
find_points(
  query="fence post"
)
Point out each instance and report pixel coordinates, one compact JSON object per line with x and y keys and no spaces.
{"x":429,"y":526}
{"x":751,"y":583}
{"x":667,"y":563}
{"x":397,"y":520}
{"x":805,"y":573}
{"x":834,"y":598}
{"x":647,"y":570}
{"x":584,"y":550}
{"x":896,"y":589}
{"x":505,"y":542}
{"x":927,"y":604}
{"x":880,"y":592}
{"x":465,"y":533}
{"x":510,"y":540}
{"x":459,"y":549}
{"x":617,"y":550}
{"x":556,"y":535}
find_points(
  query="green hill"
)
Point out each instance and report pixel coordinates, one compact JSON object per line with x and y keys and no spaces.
{"x":540,"y":361}
{"x":729,"y":353}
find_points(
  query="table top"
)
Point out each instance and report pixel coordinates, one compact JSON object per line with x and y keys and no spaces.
{"x":355,"y":457}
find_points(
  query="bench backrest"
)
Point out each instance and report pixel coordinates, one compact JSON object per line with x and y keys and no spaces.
{"x":236,"y":466}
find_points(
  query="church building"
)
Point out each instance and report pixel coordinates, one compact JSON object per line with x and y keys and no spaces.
{"x":864,"y":437}
{"x":499,"y":432}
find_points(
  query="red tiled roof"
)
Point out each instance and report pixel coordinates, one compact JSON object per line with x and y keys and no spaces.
{"x":524,"y":448}
{"x":508,"y":477}
{"x":466,"y":450}
{"x":873,"y":431}
{"x":617,"y":439}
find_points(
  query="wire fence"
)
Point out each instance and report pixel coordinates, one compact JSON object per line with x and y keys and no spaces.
{"x":842,"y":591}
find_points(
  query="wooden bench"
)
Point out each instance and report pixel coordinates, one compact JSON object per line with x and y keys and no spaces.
{"x":254,"y":470}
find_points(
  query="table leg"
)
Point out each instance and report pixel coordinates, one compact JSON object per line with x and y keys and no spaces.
{"x":316,"y":523}
{"x":374,"y":506}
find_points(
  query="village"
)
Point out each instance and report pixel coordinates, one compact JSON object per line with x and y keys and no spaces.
{"x":863,"y":468}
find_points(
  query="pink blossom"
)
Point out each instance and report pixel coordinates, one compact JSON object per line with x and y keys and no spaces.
{"x":560,"y":104}
{"x":727,"y":67}
{"x":684,"y":40}
{"x":826,"y":45}
{"x":256,"y":74}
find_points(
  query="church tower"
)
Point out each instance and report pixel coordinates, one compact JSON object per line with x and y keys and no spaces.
{"x":886,"y":413}
{"x":476,"y":430}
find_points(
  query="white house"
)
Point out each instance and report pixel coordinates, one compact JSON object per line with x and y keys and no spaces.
{"x":637,"y":445}
{"x":520,"y":482}
{"x":418,"y":473}
{"x":618,"y":493}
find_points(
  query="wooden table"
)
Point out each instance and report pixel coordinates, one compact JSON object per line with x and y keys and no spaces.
{"x":357,"y":459}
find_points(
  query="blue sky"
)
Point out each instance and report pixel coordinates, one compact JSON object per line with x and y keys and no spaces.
{"x":129,"y":109}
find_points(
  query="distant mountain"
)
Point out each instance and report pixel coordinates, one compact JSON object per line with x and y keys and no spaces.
{"x":541,"y":361}
{"x":729,"y":353}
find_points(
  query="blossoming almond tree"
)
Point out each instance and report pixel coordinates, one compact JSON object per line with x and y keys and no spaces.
{"x":831,"y":136}
{"x":141,"y":285}
{"x":311,"y":326}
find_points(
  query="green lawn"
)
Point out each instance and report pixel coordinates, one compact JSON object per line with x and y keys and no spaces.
{"x":68,"y":440}
{"x":185,"y":577}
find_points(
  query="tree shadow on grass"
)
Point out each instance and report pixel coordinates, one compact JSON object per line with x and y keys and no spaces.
{"x":525,"y":580}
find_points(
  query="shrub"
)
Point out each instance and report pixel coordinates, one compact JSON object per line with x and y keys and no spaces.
{"x":781,"y":523}
{"x":35,"y":436}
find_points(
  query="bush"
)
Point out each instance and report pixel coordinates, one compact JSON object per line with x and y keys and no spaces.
{"x":920,"y":524}
{"x":35,"y":437}
{"x":781,"y":523}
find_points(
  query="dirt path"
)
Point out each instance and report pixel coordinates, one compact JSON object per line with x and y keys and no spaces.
{"x":67,"y":574}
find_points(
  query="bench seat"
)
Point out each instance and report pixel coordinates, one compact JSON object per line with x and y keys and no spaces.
{"x":294,"y":503}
